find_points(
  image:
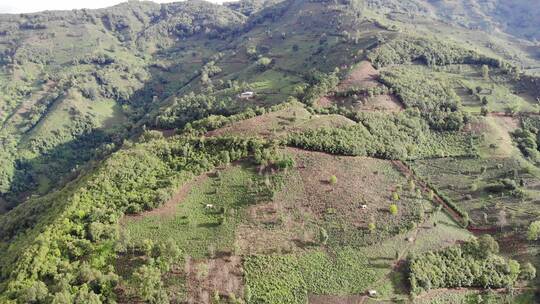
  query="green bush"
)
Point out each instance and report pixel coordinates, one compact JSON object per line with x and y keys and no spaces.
{"x":319,"y":85}
{"x":277,"y":279}
{"x":401,"y":136}
{"x":427,"y":50}
{"x":467,"y":265}
{"x":81,"y":221}
{"x":435,"y":99}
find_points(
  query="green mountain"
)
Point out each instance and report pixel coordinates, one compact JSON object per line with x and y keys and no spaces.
{"x":266,"y":151}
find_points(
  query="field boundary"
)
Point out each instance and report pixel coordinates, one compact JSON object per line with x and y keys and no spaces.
{"x":408,"y":172}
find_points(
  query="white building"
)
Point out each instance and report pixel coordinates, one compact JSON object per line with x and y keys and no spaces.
{"x":246,"y":95}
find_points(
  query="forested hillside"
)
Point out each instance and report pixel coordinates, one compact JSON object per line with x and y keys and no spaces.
{"x":266,"y":151}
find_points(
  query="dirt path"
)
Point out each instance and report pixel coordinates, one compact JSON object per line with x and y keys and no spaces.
{"x":404,"y":169}
{"x":326,"y":299}
{"x":169,"y":208}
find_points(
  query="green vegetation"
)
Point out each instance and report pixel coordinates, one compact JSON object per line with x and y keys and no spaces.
{"x":501,"y":186}
{"x":400,"y":136}
{"x":393,"y":209}
{"x":533,"y":233}
{"x":133,"y":180}
{"x":527,"y":138}
{"x":469,"y":265}
{"x":435,"y":99}
{"x":208,"y":216}
{"x":133,"y":169}
{"x":318,"y":85}
{"x":290,"y":278}
{"x":333,"y":180}
{"x":73,"y":80}
{"x":428,"y":51}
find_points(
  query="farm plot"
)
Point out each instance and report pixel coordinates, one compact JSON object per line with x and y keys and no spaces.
{"x":363,"y":76}
{"x":201,"y":219}
{"x":342,"y":275}
{"x":497,"y":92}
{"x":497,"y":141}
{"x":205,"y":221}
{"x":314,"y":231}
{"x":492,"y":191}
{"x":282,"y":122}
{"x":348,"y":198}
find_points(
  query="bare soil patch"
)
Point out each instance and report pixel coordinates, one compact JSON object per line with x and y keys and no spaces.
{"x":509,"y":123}
{"x":274,"y":124}
{"x":364,"y":75}
{"x":223,"y":274}
{"x":254,"y":237}
{"x":325,"y":102}
{"x":360,"y":182}
{"x":384,"y":103}
{"x":308,"y":200}
{"x":316,"y":299}
{"x":499,"y":134}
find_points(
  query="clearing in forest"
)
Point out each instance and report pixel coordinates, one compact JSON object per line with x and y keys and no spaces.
{"x":282,"y":122}
{"x":496,"y":131}
{"x":228,"y":218}
{"x":364,"y":75}
{"x":309,"y":200}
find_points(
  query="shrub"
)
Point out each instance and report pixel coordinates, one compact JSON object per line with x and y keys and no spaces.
{"x":333,"y":180}
{"x":393,"y":209}
{"x":149,"y":284}
{"x":134,"y":178}
{"x":461,"y":266}
{"x":533,"y":233}
{"x":263,"y":63}
{"x":319,"y":84}
{"x":323,"y":236}
{"x":528,"y":272}
{"x":435,"y":99}
{"x":386,"y":137}
{"x":428,"y":51}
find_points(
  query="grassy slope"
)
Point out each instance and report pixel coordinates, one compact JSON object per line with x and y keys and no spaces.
{"x":202,"y":227}
{"x":46,"y":63}
{"x":251,"y":224}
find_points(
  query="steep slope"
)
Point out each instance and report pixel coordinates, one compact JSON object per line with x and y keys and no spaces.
{"x":74,"y":81}
{"x":513,"y":17}
{"x":135,"y":178}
